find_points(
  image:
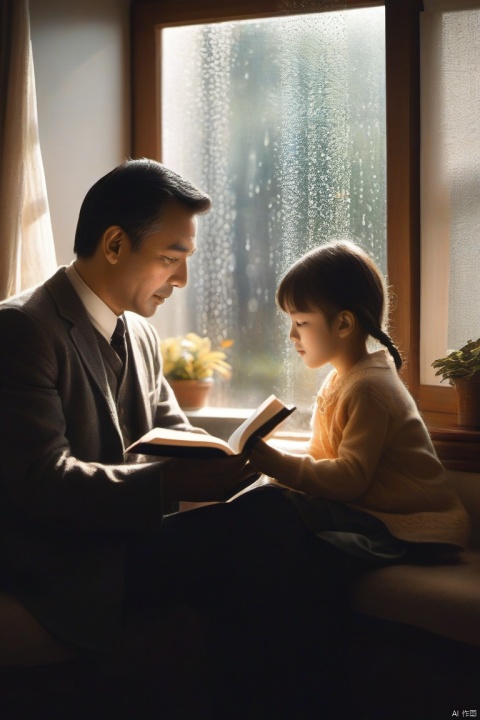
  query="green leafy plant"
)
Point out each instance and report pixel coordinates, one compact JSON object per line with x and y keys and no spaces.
{"x":190,"y":357}
{"x":462,"y":363}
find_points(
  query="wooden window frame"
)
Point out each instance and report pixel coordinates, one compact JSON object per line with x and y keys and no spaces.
{"x":459,"y":449}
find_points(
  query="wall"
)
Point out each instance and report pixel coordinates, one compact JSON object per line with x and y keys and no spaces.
{"x":81,"y":53}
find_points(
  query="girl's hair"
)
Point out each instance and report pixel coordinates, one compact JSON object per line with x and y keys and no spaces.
{"x":339,"y":276}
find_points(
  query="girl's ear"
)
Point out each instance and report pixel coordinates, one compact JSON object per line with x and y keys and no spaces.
{"x":346,"y":322}
{"x":113,"y":240}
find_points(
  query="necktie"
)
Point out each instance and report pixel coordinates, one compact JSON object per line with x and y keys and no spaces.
{"x":118,"y":341}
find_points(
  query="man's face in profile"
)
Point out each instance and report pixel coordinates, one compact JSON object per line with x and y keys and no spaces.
{"x":144,"y":278}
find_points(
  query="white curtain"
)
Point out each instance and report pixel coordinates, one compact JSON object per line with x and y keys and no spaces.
{"x":27,"y":253}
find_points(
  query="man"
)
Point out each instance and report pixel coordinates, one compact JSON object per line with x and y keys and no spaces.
{"x":83,"y":533}
{"x":69,"y":407}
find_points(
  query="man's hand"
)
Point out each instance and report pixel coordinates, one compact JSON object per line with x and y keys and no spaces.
{"x":206,"y":480}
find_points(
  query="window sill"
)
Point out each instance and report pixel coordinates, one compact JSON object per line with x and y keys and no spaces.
{"x":457,"y":447}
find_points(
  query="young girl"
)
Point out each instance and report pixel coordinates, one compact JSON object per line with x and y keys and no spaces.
{"x":370,"y":482}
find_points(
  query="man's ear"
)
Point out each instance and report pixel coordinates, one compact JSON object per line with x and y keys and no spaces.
{"x":113,"y":241}
{"x":346,"y":323}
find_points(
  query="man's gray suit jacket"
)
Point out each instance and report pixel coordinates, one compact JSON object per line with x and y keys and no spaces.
{"x":68,"y":499}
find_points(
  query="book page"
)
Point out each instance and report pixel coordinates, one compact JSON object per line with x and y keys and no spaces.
{"x":180,"y":438}
{"x":268,"y":409}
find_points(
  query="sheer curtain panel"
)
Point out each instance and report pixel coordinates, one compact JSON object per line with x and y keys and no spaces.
{"x":27,"y":254}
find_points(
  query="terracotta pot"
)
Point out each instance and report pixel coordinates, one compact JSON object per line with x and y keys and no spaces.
{"x":468,"y":401}
{"x":191,"y":394}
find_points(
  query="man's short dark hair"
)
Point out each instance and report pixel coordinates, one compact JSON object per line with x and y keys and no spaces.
{"x":132,"y":196}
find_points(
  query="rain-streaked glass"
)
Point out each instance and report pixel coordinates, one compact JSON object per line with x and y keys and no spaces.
{"x":282,"y":122}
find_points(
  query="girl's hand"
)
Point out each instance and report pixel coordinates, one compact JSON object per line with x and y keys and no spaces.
{"x":265,"y":459}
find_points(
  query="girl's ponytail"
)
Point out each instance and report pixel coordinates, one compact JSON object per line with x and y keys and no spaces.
{"x":376,"y":332}
{"x":391,"y":347}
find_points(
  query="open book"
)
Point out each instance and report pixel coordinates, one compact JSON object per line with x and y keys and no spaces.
{"x":171,"y":443}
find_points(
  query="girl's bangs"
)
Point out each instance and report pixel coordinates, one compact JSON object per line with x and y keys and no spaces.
{"x":294,"y":293}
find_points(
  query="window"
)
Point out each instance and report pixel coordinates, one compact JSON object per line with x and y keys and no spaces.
{"x":450,"y":183}
{"x":402,"y":82}
{"x":282,"y":121}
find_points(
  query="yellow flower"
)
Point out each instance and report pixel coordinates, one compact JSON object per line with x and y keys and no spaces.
{"x":190,"y":357}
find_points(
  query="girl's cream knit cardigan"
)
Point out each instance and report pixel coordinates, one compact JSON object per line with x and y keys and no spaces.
{"x":370,"y":449}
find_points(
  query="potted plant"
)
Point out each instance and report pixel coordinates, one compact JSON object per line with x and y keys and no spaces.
{"x":462,"y":369}
{"x":189,"y":364}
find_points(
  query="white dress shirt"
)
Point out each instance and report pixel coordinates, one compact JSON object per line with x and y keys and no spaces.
{"x":102,"y":318}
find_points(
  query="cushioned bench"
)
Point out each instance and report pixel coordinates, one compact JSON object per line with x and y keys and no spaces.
{"x":416,"y":652}
{"x":442,"y":599}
